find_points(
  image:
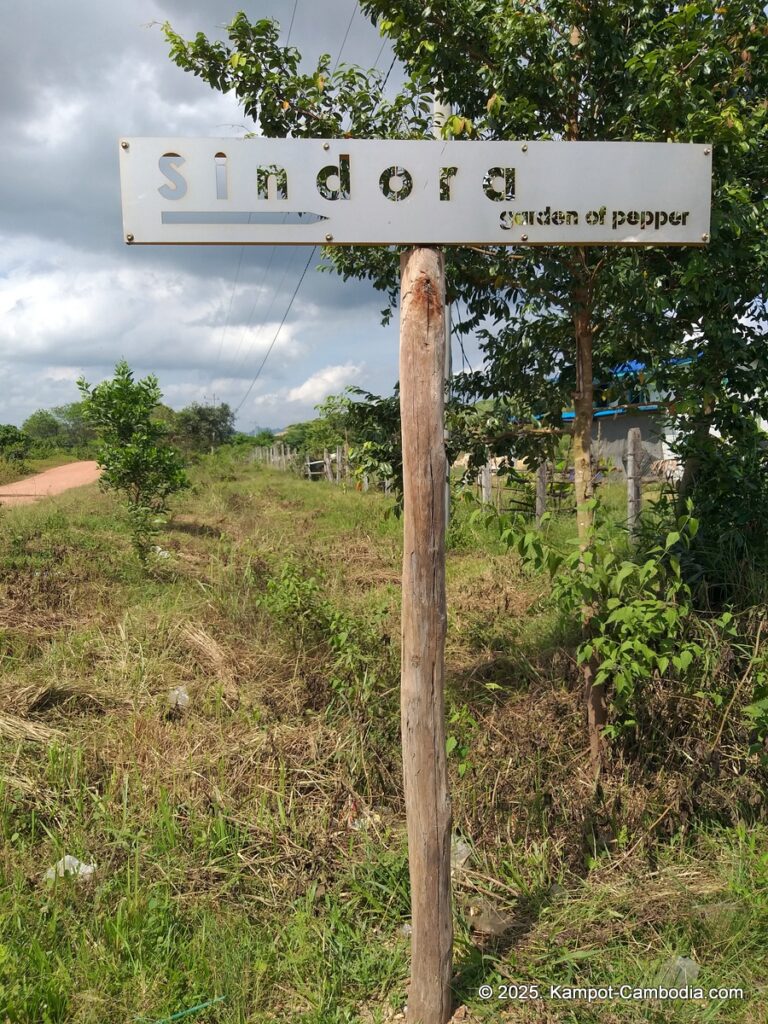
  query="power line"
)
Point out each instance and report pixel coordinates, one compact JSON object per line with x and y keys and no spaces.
{"x":277,"y":332}
{"x":346,"y":34}
{"x":386,"y":77}
{"x":314,"y":247}
{"x":265,"y":319}
{"x":231,"y":301}
{"x":290,"y":27}
{"x":250,"y":316}
{"x":242,"y":248}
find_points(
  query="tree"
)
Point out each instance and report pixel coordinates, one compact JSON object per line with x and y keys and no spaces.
{"x":77,"y":431}
{"x":15,"y":445}
{"x":43,"y":426}
{"x":134,"y":457}
{"x":203,"y":427}
{"x":262,"y":438}
{"x":312,"y":437}
{"x":64,"y":426}
{"x":552,"y":319}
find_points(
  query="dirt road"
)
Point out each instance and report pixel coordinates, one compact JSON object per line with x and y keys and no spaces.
{"x":52,"y":481}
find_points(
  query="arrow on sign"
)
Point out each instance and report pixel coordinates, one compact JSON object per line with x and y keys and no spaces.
{"x":238,"y":217}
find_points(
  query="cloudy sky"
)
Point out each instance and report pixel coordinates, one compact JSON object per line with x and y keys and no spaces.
{"x":74,"y":299}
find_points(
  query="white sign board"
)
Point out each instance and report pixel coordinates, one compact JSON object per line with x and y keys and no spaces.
{"x":384,"y":192}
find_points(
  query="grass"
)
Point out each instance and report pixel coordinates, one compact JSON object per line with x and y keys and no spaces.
{"x":252,"y":846}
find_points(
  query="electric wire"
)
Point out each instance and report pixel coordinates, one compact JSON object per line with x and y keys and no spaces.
{"x":225,"y":327}
{"x":386,"y":77}
{"x":346,"y":34}
{"x":290,"y":27}
{"x":231,"y":301}
{"x":265,"y":319}
{"x":259,"y":288}
{"x":277,"y":332}
{"x":378,"y":55}
{"x":314,"y":248}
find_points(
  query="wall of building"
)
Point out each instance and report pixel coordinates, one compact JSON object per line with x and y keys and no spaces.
{"x":609,"y":434}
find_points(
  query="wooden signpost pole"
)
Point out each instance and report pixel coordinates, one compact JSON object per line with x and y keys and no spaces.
{"x":425,"y":773}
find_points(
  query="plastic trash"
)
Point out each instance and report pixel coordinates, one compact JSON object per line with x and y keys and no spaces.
{"x":487,"y":919}
{"x":678,"y":972}
{"x":461,"y":851}
{"x":178,"y":698}
{"x":69,"y":865}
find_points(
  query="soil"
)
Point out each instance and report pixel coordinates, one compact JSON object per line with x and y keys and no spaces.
{"x":52,"y":481}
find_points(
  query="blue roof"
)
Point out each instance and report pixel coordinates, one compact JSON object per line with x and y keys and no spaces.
{"x":619,"y":410}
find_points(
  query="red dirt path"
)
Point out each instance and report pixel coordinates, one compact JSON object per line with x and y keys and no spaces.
{"x":52,"y":481}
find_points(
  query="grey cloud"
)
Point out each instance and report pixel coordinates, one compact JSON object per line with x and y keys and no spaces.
{"x":74,"y":79}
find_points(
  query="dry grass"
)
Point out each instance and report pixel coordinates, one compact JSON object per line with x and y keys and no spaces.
{"x":272,"y":804}
{"x":18,"y":729}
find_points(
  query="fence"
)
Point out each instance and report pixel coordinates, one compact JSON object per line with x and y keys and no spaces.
{"x":546,"y":489}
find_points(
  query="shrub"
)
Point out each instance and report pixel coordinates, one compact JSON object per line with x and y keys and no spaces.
{"x":134,"y":457}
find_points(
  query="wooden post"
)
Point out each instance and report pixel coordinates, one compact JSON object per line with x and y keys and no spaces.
{"x":425,"y":775}
{"x":634,"y":478}
{"x":541,"y":491}
{"x":486,"y":493}
{"x":327,"y":464}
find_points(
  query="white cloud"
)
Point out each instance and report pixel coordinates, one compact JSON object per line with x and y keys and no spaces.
{"x":328,"y":381}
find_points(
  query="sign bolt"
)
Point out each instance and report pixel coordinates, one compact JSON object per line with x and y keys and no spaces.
{"x":705,"y":238}
{"x":523,"y":238}
{"x":326,"y":145}
{"x":129,"y":238}
{"x":525,"y":148}
{"x":329,"y":238}
{"x":707,"y":152}
{"x":124,"y":144}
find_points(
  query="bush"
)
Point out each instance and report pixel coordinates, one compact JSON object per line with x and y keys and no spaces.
{"x":134,"y":457}
{"x":15,"y":445}
{"x":727,"y":561}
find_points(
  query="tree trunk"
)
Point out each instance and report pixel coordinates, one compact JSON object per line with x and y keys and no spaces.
{"x":541,"y":491}
{"x":634,"y":479}
{"x":427,"y":802}
{"x":700,"y":432}
{"x":583,"y":403}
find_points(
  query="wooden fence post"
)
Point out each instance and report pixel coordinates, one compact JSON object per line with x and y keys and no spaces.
{"x":486,"y":484}
{"x":634,"y":478}
{"x":541,"y":491}
{"x":327,"y":464}
{"x":427,"y":802}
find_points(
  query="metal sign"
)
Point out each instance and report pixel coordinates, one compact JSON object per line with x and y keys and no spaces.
{"x":386,"y":192}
